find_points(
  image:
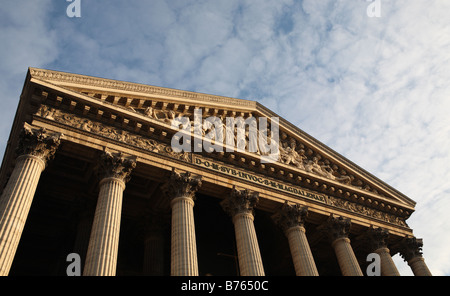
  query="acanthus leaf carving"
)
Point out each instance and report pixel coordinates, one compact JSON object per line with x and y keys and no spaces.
{"x":365,"y":210}
{"x":290,"y":216}
{"x":38,"y":142}
{"x":410,"y":247}
{"x":113,"y":133}
{"x":377,"y":238}
{"x":116,"y":165}
{"x":240,"y":201}
{"x":182,"y":185}
{"x":336,"y":227}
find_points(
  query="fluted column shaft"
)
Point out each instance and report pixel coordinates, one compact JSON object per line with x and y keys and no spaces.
{"x":337,"y":230}
{"x":301,"y":252}
{"x":346,"y":257}
{"x":183,"y":243}
{"x":291,"y":219}
{"x":101,"y":257}
{"x":15,"y":204}
{"x":249,"y":256}
{"x":239,"y":205}
{"x":36,"y":146}
{"x":388,"y":267}
{"x":418,"y":266}
{"x":82,"y":239}
{"x":377,"y":242}
{"x":155,"y":224}
{"x":154,"y":254}
{"x":181,"y":188}
{"x":411,"y":251}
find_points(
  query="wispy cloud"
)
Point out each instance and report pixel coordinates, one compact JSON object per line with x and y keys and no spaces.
{"x":374,"y":89}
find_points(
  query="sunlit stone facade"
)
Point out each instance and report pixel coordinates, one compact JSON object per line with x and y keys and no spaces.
{"x":89,"y":169}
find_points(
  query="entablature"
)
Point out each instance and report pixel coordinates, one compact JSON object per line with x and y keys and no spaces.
{"x":155,"y":116}
{"x":296,"y":186}
{"x":138,"y":121}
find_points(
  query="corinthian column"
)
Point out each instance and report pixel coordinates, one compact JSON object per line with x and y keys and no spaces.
{"x":338,"y":230}
{"x":35,"y":148}
{"x":101,"y":257}
{"x":239,"y":205}
{"x":181,"y":189}
{"x":154,"y":229}
{"x":291,"y":219}
{"x":377,"y":241}
{"x":411,"y":251}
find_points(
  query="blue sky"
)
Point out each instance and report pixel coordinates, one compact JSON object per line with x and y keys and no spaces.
{"x":375,"y":89}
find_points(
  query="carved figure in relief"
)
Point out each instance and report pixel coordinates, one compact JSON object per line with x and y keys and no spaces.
{"x":46,"y":112}
{"x":345,"y":179}
{"x":86,"y":125}
{"x":197,"y":128}
{"x":220,"y":131}
{"x":241,"y":141}
{"x":288,"y":156}
{"x":209,"y":130}
{"x":169,"y":116}
{"x":150,"y":112}
{"x":253,"y":137}
{"x":327,"y":171}
{"x":312,"y":166}
{"x":284,"y":156}
{"x":266,"y":137}
{"x":298,"y":158}
{"x":230,"y":137}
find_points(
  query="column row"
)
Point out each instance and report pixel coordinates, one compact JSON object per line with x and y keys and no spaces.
{"x":37,"y":146}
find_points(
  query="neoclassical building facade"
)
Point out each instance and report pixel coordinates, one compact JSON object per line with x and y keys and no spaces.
{"x":90,"y":169}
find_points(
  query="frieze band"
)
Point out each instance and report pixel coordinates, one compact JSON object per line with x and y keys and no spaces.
{"x":257,"y":179}
{"x":152,"y":145}
{"x":329,"y":200}
{"x":113,"y":133}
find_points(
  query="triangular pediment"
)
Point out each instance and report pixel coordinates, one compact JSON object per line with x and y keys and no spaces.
{"x":138,"y":107}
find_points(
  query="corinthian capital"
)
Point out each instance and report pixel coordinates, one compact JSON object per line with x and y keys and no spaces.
{"x":240,"y":201}
{"x":376,"y":238}
{"x":182,"y":184}
{"x":336,"y":227}
{"x":290,"y":215}
{"x":38,"y":142}
{"x":410,"y":247}
{"x":116,"y":165}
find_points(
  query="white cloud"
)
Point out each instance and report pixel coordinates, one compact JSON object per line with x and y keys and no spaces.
{"x":374,"y":89}
{"x":26,"y":40}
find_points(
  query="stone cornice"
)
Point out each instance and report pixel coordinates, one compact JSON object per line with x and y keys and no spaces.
{"x":83,"y":81}
{"x":130,"y":114}
{"x":38,"y":142}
